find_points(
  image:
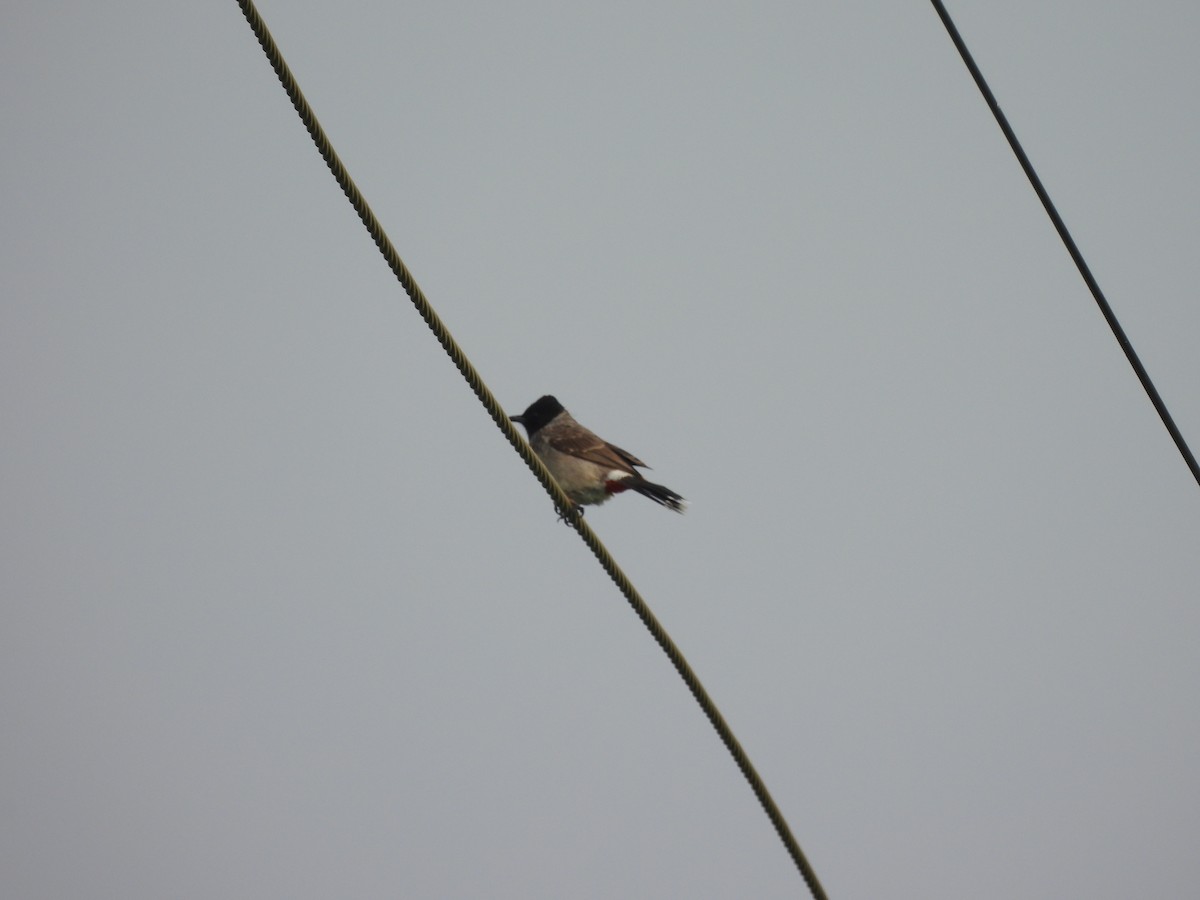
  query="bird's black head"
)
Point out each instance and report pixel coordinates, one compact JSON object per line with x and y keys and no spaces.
{"x":539,"y":413}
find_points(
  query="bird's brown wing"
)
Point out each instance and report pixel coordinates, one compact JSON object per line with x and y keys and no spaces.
{"x":586,"y":445}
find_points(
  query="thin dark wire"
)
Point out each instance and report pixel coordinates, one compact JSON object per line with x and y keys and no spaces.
{"x":1068,"y":241}
{"x":561,"y":501}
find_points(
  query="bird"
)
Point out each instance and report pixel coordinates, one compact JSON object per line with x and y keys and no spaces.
{"x":588,"y":468}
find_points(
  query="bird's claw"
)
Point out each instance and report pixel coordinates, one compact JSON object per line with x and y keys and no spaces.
{"x":569,"y":514}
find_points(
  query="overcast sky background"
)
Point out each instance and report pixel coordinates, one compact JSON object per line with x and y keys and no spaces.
{"x":284,"y":616}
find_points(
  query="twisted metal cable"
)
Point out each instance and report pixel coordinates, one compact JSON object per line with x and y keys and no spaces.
{"x":562,"y":503}
{"x":1060,"y":226}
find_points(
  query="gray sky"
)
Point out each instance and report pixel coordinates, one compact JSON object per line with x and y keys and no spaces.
{"x":283,"y":615}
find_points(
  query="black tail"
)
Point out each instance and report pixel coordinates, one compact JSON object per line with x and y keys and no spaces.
{"x":658,"y":494}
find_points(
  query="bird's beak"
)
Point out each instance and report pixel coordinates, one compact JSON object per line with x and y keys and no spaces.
{"x":520,"y":420}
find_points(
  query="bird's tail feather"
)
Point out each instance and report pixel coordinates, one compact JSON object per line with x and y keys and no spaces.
{"x":659,"y":494}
